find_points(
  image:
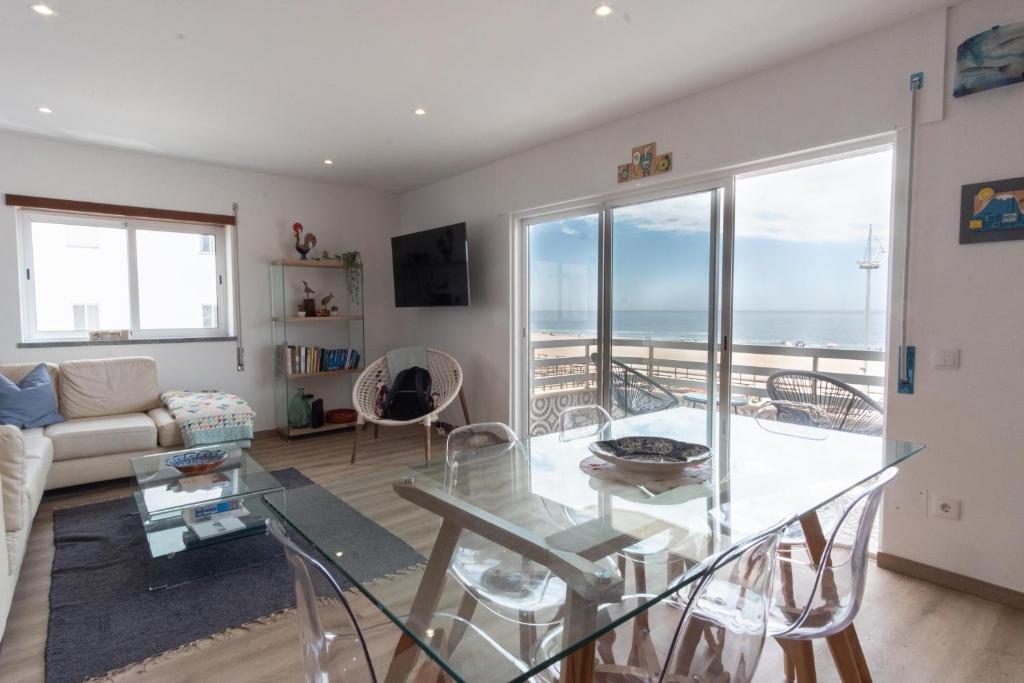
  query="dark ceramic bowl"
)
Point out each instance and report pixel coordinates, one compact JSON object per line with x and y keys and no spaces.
{"x":197,"y":462}
{"x":650,"y":454}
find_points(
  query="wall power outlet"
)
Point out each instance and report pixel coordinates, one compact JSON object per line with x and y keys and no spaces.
{"x":944,"y":508}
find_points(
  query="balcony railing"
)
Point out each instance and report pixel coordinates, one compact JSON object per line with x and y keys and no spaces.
{"x":563,"y":366}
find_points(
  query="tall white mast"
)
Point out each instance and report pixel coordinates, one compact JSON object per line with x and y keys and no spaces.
{"x":869,"y":263}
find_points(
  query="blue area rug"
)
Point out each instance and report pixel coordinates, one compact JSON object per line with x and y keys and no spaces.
{"x":103,"y":617}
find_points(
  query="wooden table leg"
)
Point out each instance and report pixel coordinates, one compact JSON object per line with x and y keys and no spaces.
{"x":858,"y":655}
{"x":578,"y":667}
{"x":425,"y":603}
{"x":844,"y":646}
{"x":580,"y":621}
{"x":799,"y":657}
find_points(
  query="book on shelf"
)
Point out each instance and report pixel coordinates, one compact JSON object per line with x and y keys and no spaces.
{"x":217,"y":527}
{"x":215,"y":510}
{"x":304,"y":360}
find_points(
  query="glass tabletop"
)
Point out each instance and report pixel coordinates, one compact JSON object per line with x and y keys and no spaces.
{"x":538,"y":532}
{"x":163,"y":489}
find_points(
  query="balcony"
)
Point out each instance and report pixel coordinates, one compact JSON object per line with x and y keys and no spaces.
{"x":563,"y":375}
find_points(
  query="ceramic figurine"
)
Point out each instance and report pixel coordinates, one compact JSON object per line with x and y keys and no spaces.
{"x":305,"y":244}
{"x":308,"y":302}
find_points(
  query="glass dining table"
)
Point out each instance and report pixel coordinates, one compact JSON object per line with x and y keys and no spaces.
{"x":541,"y":537}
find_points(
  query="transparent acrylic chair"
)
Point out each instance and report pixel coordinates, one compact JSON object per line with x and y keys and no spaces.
{"x":331,"y":641}
{"x":791,"y":418}
{"x":334,"y":647}
{"x":583,"y":421}
{"x":594,"y":421}
{"x":519,"y":590}
{"x":714,"y":636}
{"x":465,"y":440}
{"x":819,"y":599}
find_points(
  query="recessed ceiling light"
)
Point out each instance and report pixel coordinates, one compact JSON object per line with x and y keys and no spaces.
{"x":604,"y":10}
{"x":40,"y":8}
{"x":419,"y":111}
{"x":44,"y":110}
{"x":329,"y":162}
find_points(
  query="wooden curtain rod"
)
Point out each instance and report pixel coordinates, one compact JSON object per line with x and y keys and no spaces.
{"x":26,"y":202}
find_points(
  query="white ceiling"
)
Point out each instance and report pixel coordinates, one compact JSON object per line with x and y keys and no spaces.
{"x":279,"y":85}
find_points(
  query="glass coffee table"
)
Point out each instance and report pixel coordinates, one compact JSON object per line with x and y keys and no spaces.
{"x":183,"y":512}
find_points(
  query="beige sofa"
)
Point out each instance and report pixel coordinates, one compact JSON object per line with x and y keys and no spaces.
{"x":112,"y":412}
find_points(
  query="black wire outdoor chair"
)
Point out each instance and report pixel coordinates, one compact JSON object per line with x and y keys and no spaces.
{"x":634,"y":393}
{"x":845,"y":408}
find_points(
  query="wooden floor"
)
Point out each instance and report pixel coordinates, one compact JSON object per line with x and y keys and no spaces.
{"x":911,"y":631}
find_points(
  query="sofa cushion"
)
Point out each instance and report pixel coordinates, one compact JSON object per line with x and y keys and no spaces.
{"x":17,"y":372}
{"x":31,"y":402}
{"x":25,"y":458}
{"x":89,"y":436}
{"x":108,"y":386}
{"x":12,"y":476}
{"x":167,"y":433}
{"x":38,"y":458}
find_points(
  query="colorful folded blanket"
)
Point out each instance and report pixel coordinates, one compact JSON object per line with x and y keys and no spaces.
{"x":210,"y":417}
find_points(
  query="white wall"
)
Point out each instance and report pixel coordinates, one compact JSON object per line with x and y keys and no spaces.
{"x":966,"y":297}
{"x":343,"y":219}
{"x":852,"y":90}
{"x":962,"y":297}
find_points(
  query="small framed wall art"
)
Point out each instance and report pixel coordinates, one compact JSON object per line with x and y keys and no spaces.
{"x":992,"y":211}
{"x":645,"y":162}
{"x":991,"y":59}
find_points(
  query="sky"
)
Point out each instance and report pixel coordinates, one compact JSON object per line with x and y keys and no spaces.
{"x":799,"y":234}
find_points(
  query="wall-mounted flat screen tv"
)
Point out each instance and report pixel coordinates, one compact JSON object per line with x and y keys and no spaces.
{"x":431,"y":267}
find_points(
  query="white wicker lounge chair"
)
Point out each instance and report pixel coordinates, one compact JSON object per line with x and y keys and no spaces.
{"x":446,"y":381}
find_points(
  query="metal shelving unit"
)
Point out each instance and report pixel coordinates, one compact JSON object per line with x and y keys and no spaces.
{"x":345,"y":330}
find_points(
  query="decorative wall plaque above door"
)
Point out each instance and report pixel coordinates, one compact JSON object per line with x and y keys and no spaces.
{"x":644,"y":162}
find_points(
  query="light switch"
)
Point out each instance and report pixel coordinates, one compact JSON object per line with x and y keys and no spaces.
{"x":946,"y":359}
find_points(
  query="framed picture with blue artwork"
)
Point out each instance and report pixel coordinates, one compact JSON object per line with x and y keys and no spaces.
{"x":991,"y":59}
{"x":992,"y":211}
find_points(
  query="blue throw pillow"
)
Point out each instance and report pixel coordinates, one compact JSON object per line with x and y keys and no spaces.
{"x":29,"y":403}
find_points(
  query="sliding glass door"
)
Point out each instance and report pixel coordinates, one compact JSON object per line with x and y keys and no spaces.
{"x":663,"y":307}
{"x":756,"y":303}
{"x":812,"y":270}
{"x":622,"y":308}
{"x":564,"y":287}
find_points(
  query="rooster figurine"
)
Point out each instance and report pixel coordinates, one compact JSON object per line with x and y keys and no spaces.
{"x":305,"y":244}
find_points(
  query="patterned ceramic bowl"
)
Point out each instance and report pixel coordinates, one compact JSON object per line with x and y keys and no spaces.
{"x":650,"y":454}
{"x":196,"y":462}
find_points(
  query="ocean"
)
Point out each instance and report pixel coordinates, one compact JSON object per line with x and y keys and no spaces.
{"x":842,"y":329}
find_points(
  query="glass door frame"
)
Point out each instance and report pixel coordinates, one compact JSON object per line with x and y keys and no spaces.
{"x":719,"y":299}
{"x":521,"y":386}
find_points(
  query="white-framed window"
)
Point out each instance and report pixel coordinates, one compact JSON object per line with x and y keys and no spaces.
{"x":86,"y":316}
{"x":158,"y":280}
